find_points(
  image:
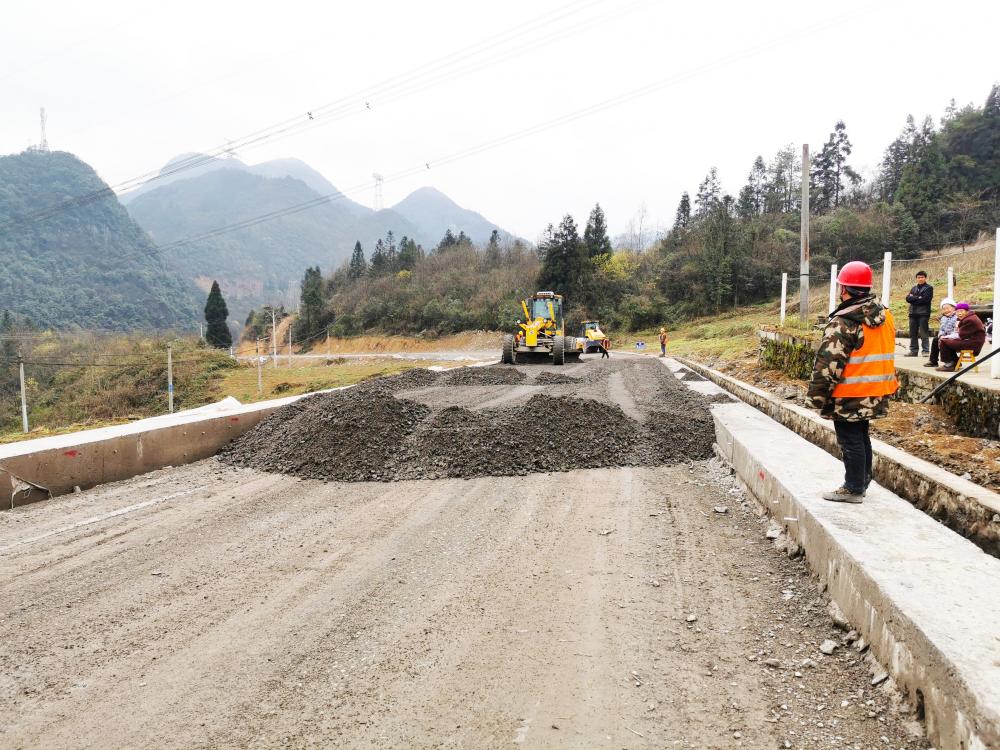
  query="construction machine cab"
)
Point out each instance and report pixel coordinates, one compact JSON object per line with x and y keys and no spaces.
{"x":541,"y":332}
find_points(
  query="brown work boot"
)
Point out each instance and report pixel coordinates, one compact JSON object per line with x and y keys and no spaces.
{"x":844,"y":495}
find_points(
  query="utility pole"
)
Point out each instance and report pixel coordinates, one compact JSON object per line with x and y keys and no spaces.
{"x":804,"y":240}
{"x":784,"y":295}
{"x":24,"y":395}
{"x":170,"y":378}
{"x":43,"y":145}
{"x":260,"y":371}
{"x":289,"y":345}
{"x":274,"y":338}
{"x":201,"y":331}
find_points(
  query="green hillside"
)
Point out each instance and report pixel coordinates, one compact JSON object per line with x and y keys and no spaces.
{"x":87,"y":264}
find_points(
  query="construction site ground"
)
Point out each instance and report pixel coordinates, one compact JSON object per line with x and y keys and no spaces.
{"x":924,"y":430}
{"x":621,"y":607}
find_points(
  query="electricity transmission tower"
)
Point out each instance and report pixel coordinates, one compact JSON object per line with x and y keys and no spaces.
{"x":379,"y":202}
{"x":43,"y":145}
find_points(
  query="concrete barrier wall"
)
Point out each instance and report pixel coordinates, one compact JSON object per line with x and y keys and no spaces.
{"x":33,"y":470}
{"x":965,"y":507}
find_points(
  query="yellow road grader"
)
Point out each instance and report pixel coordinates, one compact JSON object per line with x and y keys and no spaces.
{"x":541,"y":333}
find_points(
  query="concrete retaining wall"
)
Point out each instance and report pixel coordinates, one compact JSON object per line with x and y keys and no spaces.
{"x":792,"y":355}
{"x":975,"y":410}
{"x":33,"y":470}
{"x":965,"y":507}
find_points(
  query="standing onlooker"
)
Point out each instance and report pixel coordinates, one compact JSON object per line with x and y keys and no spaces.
{"x":663,"y":342}
{"x":854,"y":375}
{"x":971,"y":335}
{"x":949,"y":322}
{"x":920,"y":298}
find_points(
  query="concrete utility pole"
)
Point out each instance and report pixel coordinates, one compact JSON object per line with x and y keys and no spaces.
{"x":260,"y":371}
{"x":170,"y":378}
{"x":804,"y":240}
{"x":784,"y":296}
{"x":274,"y":338}
{"x":833,"y":287}
{"x":24,"y":395}
{"x":289,"y":346}
{"x":995,"y":362}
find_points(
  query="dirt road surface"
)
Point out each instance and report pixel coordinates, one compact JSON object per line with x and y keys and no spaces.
{"x":209,"y":606}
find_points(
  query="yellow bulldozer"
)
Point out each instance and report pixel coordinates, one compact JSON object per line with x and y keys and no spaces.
{"x":541,"y":333}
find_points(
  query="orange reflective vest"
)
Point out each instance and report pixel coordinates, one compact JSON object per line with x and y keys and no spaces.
{"x":871,"y":370}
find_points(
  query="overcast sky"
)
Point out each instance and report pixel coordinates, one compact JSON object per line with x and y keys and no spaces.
{"x":128,"y":85}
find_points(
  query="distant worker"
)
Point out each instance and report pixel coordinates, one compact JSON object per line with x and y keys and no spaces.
{"x":604,"y":346}
{"x":663,"y":342}
{"x":854,"y":375}
{"x":920,"y":298}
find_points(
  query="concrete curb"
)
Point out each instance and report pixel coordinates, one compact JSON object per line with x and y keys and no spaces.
{"x":919,"y":594}
{"x":963,"y":506}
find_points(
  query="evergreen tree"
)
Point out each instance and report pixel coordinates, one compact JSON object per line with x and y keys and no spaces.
{"x":409,"y":254}
{"x":359,"y":266}
{"x":566,"y":267}
{"x":899,"y":153}
{"x":217,"y":332}
{"x":752,"y":195}
{"x":311,"y":304}
{"x":463,"y":239}
{"x":683,"y":216}
{"x":783,"y":185}
{"x":447,"y":241}
{"x":492,"y":256}
{"x":709,"y":193}
{"x":830,"y":170}
{"x":595,"y":234}
{"x":391,"y":255}
{"x":379,"y":265}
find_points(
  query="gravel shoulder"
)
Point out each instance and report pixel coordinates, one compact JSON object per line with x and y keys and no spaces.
{"x":613,"y":607}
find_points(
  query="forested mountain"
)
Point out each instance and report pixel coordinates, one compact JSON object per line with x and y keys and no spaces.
{"x":86,"y":263}
{"x":263,"y":263}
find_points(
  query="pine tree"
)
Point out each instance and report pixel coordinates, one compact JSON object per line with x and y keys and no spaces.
{"x":447,"y":241}
{"x":492,"y":256}
{"x":379,"y":265}
{"x":566,"y":267}
{"x":463,"y":239}
{"x":683,"y":216}
{"x":595,"y":234}
{"x":359,"y":266}
{"x":409,"y":254}
{"x":311,"y":304}
{"x":217,"y":332}
{"x":782,"y":191}
{"x":391,"y":256}
{"x":709,"y":193}
{"x":830,"y":170}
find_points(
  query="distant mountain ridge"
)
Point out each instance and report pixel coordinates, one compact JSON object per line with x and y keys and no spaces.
{"x":87,"y":265}
{"x":265,"y":262}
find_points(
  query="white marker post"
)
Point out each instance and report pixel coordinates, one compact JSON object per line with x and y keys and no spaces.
{"x":995,"y":362}
{"x":260,"y":373}
{"x":951,"y":282}
{"x":784,"y":295}
{"x":170,"y":378}
{"x":886,"y":277}
{"x":24,"y":396}
{"x":833,"y":287}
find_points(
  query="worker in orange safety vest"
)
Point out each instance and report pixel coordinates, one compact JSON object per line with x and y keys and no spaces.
{"x":854,"y":375}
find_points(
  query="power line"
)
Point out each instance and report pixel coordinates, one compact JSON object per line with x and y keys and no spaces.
{"x":342,"y":106}
{"x":516,"y":135}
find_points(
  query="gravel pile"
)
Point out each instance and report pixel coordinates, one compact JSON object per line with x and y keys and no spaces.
{"x":351,"y":435}
{"x":368,"y":433}
{"x":492,"y":375}
{"x":721,"y":398}
{"x":554,"y":378}
{"x":691,"y":375}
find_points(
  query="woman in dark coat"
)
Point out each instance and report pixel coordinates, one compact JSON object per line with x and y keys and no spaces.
{"x":971,"y":335}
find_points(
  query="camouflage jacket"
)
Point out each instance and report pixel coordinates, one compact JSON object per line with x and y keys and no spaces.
{"x":843,"y":334}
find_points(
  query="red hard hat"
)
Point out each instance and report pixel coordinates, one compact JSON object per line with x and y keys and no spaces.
{"x":855,"y":273}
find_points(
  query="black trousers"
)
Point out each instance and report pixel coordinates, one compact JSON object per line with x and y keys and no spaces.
{"x":856,"y":445}
{"x":934,"y":350}
{"x":919,"y":329}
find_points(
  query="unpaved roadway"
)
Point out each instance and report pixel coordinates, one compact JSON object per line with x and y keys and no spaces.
{"x":210,"y":606}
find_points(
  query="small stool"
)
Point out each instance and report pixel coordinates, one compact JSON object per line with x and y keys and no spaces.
{"x":967,"y":357}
